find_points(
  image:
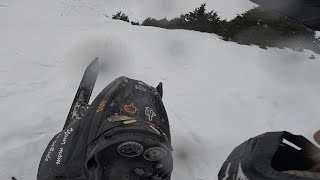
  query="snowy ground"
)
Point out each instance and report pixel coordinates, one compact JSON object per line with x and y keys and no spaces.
{"x":217,"y":93}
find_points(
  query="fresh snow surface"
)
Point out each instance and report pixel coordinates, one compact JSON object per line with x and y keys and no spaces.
{"x":217,"y":94}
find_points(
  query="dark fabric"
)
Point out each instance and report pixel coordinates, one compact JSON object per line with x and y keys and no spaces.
{"x":264,"y":157}
{"x":66,"y":154}
{"x":305,"y":11}
{"x":114,"y":166}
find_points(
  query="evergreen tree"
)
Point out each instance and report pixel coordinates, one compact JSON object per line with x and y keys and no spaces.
{"x":121,"y":16}
{"x":135,"y":23}
{"x":256,"y":26}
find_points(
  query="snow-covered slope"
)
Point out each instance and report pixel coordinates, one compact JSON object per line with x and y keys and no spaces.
{"x":217,"y":93}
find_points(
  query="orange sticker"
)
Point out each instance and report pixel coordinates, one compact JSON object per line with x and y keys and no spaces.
{"x":101,"y":106}
{"x":154,"y":128}
{"x":130,"y":121}
{"x":117,"y":117}
{"x":130,"y":108}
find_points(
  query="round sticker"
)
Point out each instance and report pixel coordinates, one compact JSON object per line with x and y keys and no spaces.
{"x":155,"y":154}
{"x":130,"y":149}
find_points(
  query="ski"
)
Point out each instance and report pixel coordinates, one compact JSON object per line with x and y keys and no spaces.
{"x":82,"y":97}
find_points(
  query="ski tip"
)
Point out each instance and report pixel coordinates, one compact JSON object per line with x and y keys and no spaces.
{"x":95,"y":60}
{"x":94,"y":64}
{"x":13,"y":178}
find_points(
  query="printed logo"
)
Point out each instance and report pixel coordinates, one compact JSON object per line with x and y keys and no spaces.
{"x":58,"y":162}
{"x":66,"y":134}
{"x":149,"y":112}
{"x":117,"y":117}
{"x":129,"y":121}
{"x":64,"y":141}
{"x":165,"y":135}
{"x":227,"y":172}
{"x":140,"y":87}
{"x":50,"y":151}
{"x":52,"y":147}
{"x":240,"y":174}
{"x":153,"y":127}
{"x":130,"y":109}
{"x":101,"y":106}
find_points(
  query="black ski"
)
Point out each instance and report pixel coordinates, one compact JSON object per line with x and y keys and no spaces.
{"x":81,"y":100}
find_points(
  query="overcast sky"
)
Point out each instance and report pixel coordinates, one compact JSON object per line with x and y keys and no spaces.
{"x":138,"y":10}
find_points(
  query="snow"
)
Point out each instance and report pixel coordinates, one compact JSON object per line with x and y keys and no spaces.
{"x":217,"y":94}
